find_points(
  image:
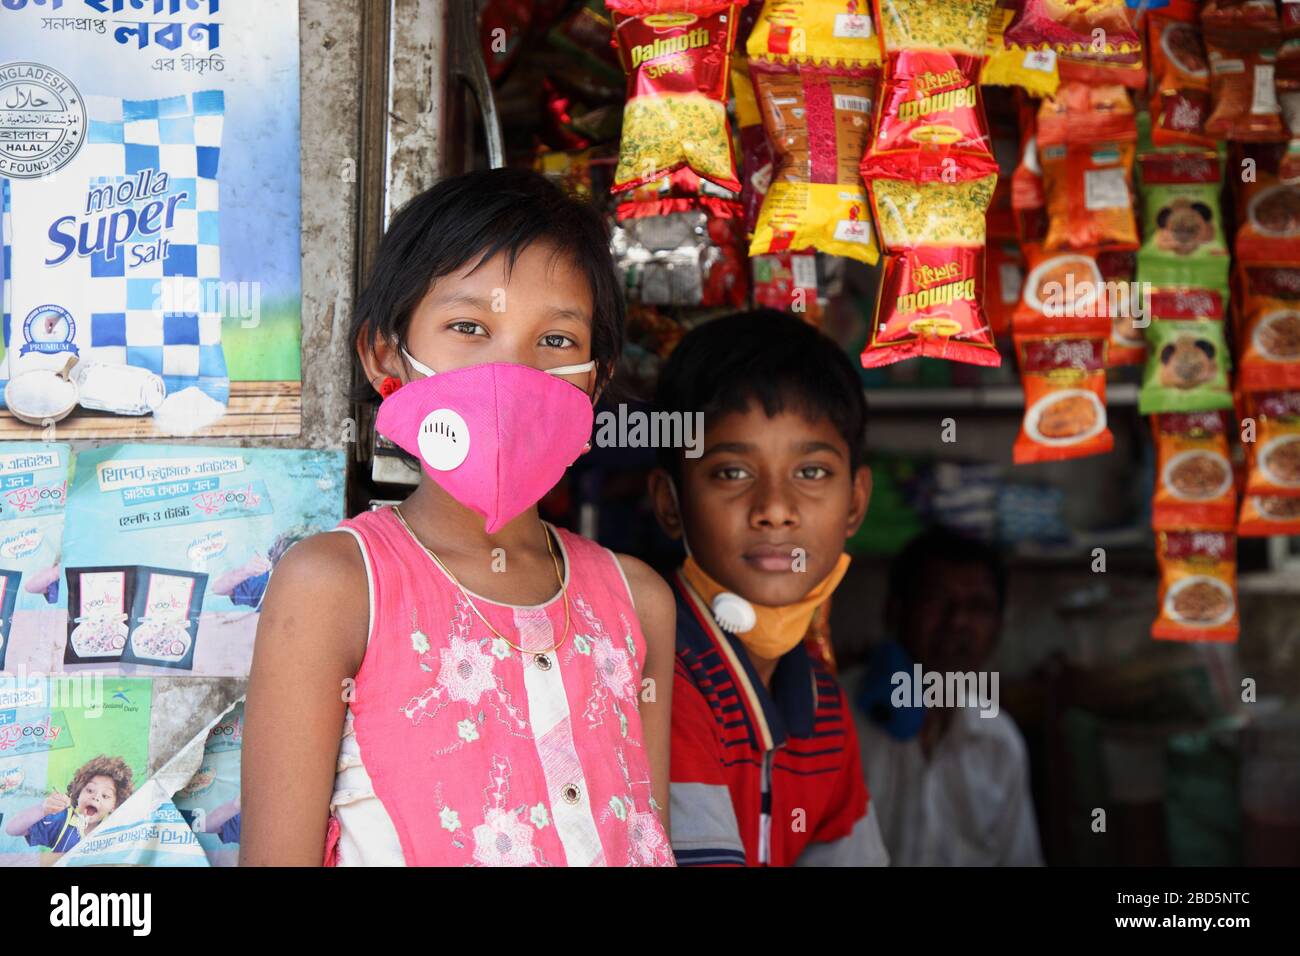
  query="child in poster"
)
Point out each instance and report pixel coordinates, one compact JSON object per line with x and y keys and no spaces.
{"x":62,"y":820}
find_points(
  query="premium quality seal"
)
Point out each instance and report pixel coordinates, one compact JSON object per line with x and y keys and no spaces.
{"x":42,"y":120}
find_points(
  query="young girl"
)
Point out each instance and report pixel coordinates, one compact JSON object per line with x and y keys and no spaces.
{"x":453,"y":681}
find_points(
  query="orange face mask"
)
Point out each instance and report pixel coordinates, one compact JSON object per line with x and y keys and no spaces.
{"x":767,"y":632}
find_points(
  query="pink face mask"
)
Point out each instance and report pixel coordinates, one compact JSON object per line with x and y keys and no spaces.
{"x":496,"y":437}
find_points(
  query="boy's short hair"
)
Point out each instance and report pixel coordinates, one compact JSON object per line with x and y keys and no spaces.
{"x":113,"y":767}
{"x":768,"y":357}
{"x":469,"y":219}
{"x":907,"y":572}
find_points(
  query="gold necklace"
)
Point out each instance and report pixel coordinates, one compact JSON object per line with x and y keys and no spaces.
{"x":564,"y":588}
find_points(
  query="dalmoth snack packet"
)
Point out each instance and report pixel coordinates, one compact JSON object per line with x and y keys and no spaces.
{"x":1064,"y":377}
{"x":1198,"y":586}
{"x":1034,"y":71}
{"x":1095,"y":40}
{"x":930,"y":125}
{"x":675,"y":53}
{"x":1180,"y":68}
{"x":931,"y":292}
{"x":1274,"y":455}
{"x":165,"y":617}
{"x":1086,"y":145}
{"x":1263,"y":516}
{"x":1269,"y":347}
{"x":818,"y":121}
{"x":840,"y":30}
{"x":1194,"y":476}
{"x":1184,"y":242}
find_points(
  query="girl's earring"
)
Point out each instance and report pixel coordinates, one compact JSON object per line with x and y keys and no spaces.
{"x":388,"y":386}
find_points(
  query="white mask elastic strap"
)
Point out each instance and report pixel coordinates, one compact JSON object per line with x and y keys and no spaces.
{"x":562,"y":370}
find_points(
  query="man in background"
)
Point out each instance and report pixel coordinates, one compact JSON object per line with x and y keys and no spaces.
{"x":950,"y":783}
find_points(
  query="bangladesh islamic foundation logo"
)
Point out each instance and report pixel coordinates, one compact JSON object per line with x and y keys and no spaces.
{"x":42,"y":120}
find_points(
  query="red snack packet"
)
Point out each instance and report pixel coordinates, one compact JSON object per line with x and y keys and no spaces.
{"x":1244,"y":96}
{"x":1064,"y":377}
{"x":1269,"y":343}
{"x":787,"y":281}
{"x":1240,"y":24}
{"x":1198,"y":586}
{"x":1095,"y":39}
{"x":1180,"y":103}
{"x":930,"y":296}
{"x":930,"y":126}
{"x":1004,"y":275}
{"x":675,"y":53}
{"x":1194,"y":476}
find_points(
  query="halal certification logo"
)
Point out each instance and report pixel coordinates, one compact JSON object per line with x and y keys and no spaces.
{"x":42,"y":120}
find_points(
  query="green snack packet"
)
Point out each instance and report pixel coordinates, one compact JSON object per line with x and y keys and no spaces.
{"x":1187,"y":367}
{"x":1182,"y":222}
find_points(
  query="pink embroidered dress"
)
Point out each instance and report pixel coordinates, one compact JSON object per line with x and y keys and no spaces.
{"x":458,"y":750}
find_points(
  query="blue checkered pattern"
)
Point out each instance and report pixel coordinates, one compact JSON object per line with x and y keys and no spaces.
{"x":162,"y":315}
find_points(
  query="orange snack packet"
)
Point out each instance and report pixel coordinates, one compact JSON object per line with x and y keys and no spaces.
{"x":1087,"y":141}
{"x":1194,"y":479}
{"x":1244,"y":98}
{"x":1064,"y":377}
{"x":1180,"y":103}
{"x":1268,"y":210}
{"x":1198,"y":586}
{"x":1004,"y":274}
{"x":1274,"y":455}
{"x":1269,"y":343}
{"x":1066,"y":292}
{"x":1263,"y":516}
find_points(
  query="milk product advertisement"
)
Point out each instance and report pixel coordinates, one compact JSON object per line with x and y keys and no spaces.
{"x":149,"y":189}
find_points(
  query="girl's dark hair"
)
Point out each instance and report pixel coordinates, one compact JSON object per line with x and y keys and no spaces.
{"x":471,"y":218}
{"x":768,"y":357}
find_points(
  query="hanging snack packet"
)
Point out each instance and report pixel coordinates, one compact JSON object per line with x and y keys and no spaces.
{"x":1180,"y":103}
{"x":1243,"y":95}
{"x":690,"y":257}
{"x":1187,"y":367}
{"x":1064,"y":378}
{"x":931,"y":293}
{"x":1094,"y":39}
{"x":1274,"y":455}
{"x":1240,"y":24}
{"x":1004,"y":276}
{"x":1263,"y":516}
{"x":931,"y":126}
{"x":786,"y":281}
{"x":757,"y":159}
{"x":1086,"y":143}
{"x":1185,"y":244}
{"x":818,"y":121}
{"x":816,"y":30}
{"x":1270,"y":330}
{"x":1027,"y":199}
{"x":1194,"y":480}
{"x":1268,"y":210}
{"x":1034,"y":71}
{"x":1066,"y":292}
{"x":1198,"y":586}
{"x":1128,"y":313}
{"x":675,"y":53}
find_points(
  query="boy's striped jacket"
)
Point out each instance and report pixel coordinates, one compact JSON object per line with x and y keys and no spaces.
{"x":759,"y":778}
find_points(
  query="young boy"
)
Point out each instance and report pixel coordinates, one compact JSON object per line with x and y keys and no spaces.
{"x":765,"y":767}
{"x":63,"y":820}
